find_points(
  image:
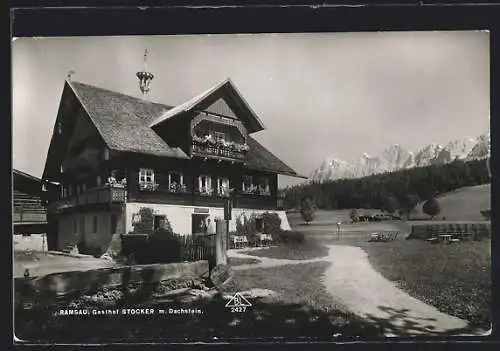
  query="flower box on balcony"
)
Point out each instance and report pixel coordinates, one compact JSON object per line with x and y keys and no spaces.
{"x":264,"y":192}
{"x":178,"y":189}
{"x":148,"y":186}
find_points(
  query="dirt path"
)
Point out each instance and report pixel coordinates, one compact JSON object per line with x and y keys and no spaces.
{"x":364,"y":291}
{"x":353,"y":282}
{"x":265,"y":262}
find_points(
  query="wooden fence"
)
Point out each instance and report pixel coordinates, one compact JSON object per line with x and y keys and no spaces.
{"x":168,"y":249}
{"x":471,"y":230}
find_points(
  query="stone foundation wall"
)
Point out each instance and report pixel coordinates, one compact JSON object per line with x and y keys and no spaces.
{"x":65,"y":283}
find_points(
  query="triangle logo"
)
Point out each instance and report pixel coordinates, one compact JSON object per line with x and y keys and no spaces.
{"x":238,"y":301}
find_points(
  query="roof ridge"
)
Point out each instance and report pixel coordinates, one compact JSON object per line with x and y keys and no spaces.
{"x":119,"y":93}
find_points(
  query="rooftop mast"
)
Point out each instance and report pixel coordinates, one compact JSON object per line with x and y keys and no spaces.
{"x":144,"y":77}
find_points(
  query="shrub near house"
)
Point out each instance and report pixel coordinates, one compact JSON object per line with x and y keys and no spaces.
{"x":147,"y":245}
{"x":271,"y":224}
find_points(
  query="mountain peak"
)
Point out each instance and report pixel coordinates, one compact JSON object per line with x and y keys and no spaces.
{"x":394,"y":158}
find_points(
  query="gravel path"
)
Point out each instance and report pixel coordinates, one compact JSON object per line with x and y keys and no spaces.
{"x":351,"y":280}
{"x":265,"y":262}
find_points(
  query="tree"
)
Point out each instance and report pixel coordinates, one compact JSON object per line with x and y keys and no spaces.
{"x":486,"y":214}
{"x":408,"y":203}
{"x":354,"y":215}
{"x":431,"y":207}
{"x":391,"y":204}
{"x":307,"y":210}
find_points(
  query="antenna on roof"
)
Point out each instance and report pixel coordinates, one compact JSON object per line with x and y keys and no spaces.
{"x":145,"y":77}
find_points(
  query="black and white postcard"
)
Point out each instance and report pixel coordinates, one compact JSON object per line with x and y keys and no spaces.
{"x":331,"y":186}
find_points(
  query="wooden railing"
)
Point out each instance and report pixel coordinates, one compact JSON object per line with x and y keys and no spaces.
{"x":215,"y":151}
{"x":99,"y":195}
{"x":26,"y":216}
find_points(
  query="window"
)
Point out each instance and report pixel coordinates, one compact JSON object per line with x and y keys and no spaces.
{"x":94,"y":225}
{"x":264,"y":186}
{"x":176,"y":182}
{"x":75,"y":226}
{"x":113,"y":224}
{"x":147,"y":179}
{"x":205,"y":185}
{"x":159,"y":222}
{"x":247,"y":185}
{"x":146,"y":176}
{"x":222,"y":185}
{"x":106,"y":154}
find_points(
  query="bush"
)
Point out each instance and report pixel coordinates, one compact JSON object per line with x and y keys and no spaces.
{"x":272,"y":223}
{"x":354,"y":216}
{"x":288,"y":237}
{"x":165,"y":247}
{"x":431,"y":207}
{"x":145,"y":224}
{"x":486,"y":214}
{"x":307,"y":210}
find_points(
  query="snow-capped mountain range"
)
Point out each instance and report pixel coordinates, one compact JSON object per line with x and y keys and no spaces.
{"x":396,"y":158}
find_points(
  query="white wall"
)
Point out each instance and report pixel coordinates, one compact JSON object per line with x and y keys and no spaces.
{"x":180,"y":216}
{"x":101,"y":238}
{"x":35,"y":242}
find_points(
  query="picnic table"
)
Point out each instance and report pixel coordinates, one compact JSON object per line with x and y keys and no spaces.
{"x":445,"y":238}
{"x":384,"y":237}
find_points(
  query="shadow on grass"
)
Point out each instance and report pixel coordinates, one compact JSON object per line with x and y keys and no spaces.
{"x":262,"y":320}
{"x":401,"y":324}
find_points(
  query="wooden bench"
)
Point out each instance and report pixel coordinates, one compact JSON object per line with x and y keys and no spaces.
{"x":384,"y":237}
{"x":264,"y":239}
{"x":239,"y":241}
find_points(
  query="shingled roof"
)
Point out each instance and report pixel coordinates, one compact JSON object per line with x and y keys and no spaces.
{"x":124,"y":123}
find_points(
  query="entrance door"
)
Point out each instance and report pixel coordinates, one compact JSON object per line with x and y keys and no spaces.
{"x":81,"y":239}
{"x":52,"y":233}
{"x":198,"y":221}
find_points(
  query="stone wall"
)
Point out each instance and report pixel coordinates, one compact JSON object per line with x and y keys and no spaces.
{"x":78,"y":282}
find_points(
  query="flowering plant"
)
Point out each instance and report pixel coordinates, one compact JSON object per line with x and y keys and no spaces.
{"x":144,"y":186}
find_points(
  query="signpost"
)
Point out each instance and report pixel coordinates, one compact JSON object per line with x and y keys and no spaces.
{"x":221,"y":274}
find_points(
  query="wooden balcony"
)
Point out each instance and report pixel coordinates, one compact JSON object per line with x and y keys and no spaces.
{"x":217,"y":152}
{"x":191,"y":198}
{"x":20,"y":216}
{"x":101,"y":195}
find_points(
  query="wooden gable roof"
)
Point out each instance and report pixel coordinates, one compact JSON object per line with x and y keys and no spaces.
{"x":224,"y":96}
{"x":125,"y":124}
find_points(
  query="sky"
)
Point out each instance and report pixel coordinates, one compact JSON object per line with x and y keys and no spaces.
{"x":319,"y":95}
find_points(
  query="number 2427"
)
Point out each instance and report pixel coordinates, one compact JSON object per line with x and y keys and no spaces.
{"x":238,"y":309}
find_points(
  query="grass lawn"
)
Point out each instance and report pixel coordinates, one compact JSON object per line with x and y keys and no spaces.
{"x":308,"y":250}
{"x":302,"y":308}
{"x":238,"y":261}
{"x":454,"y":278}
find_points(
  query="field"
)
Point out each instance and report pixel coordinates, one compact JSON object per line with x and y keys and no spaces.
{"x":454,"y":278}
{"x":463,"y":204}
